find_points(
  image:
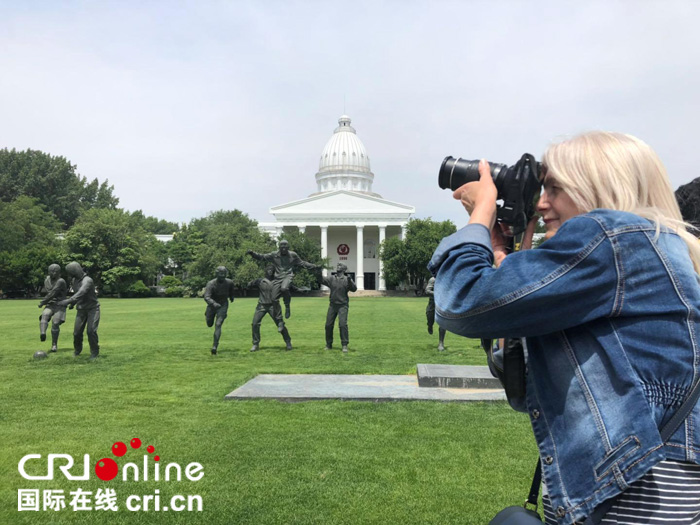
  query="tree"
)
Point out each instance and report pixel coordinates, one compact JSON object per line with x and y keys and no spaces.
{"x":112,"y":249}
{"x":28,"y":244}
{"x":54,"y":182}
{"x":407,"y":260}
{"x":154,"y":224}
{"x":221,"y":238}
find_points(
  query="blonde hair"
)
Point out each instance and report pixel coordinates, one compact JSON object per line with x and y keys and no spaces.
{"x":600,"y":169}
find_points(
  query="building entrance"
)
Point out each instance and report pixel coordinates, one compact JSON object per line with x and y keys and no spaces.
{"x":369,"y":281}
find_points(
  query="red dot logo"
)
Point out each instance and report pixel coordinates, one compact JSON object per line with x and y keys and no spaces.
{"x":343,"y":249}
{"x":135,"y":443}
{"x":106,"y":469}
{"x":119,"y":449}
{"x":150,"y":449}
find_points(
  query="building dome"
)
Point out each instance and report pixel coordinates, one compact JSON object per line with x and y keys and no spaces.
{"x":344,"y":163}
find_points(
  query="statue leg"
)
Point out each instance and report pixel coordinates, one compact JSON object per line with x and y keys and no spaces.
{"x":58,"y":319}
{"x":441,"y":336}
{"x":44,"y":319}
{"x":286,"y":295}
{"x":93,"y":322}
{"x":221,"y":315}
{"x":78,"y":329}
{"x":276,"y":314}
{"x":430,"y":315}
{"x":55,"y":331}
{"x":217,"y":333}
{"x":257,"y":317}
{"x":343,"y":325}
{"x":210,"y":315}
{"x":330,"y":324}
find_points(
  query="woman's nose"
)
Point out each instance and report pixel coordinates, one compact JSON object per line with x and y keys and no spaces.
{"x":542,"y":203}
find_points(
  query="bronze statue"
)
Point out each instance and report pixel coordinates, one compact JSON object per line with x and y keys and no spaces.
{"x":217,"y":295}
{"x":339,"y":284}
{"x":268,"y":303}
{"x":430,"y":314}
{"x":84,"y":299}
{"x":284,"y":261}
{"x":56,"y":290}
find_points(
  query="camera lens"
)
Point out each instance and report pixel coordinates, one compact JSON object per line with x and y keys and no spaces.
{"x":457,"y":172}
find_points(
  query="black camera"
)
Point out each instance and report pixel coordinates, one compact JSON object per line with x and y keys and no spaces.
{"x":518,"y":187}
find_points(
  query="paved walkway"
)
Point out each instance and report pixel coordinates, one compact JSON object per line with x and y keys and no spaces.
{"x":307,"y":387}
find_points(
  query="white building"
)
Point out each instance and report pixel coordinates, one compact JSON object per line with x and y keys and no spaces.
{"x":348,"y":219}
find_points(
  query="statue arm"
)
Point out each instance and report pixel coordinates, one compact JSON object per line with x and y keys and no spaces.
{"x":82,"y":291}
{"x":231,"y":289}
{"x":351,"y":285}
{"x":297,"y":261}
{"x":430,"y":288}
{"x":50,"y":295}
{"x":207,"y":296}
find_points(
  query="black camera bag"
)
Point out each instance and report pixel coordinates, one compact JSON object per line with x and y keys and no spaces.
{"x":507,"y":364}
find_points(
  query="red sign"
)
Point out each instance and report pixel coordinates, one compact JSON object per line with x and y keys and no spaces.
{"x":343,"y":249}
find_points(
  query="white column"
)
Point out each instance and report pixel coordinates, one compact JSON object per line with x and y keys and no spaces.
{"x":382,"y":236}
{"x":280,"y":231}
{"x":360,"y":267}
{"x":403,"y":232}
{"x":324,"y":249}
{"x":302,"y":229}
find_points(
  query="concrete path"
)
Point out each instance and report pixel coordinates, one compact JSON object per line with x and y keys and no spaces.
{"x":306,"y":387}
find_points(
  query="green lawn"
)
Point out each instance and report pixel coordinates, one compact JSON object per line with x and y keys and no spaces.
{"x":265,"y":462}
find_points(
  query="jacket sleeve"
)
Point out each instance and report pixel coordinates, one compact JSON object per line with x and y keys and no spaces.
{"x":569,"y":280}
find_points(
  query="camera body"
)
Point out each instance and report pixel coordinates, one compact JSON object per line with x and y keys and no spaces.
{"x":518,"y":187}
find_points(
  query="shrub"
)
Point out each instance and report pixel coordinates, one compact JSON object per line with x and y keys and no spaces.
{"x":169,"y":281}
{"x":138,"y":289}
{"x":175,"y":291}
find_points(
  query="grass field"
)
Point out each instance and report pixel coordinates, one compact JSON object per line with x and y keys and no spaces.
{"x":265,"y":462}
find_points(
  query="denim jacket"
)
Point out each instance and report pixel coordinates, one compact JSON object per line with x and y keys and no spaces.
{"x":611,"y":317}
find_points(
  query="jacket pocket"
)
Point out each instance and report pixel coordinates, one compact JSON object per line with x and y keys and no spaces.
{"x":616,"y":455}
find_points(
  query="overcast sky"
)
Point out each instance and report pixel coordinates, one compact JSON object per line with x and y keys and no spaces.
{"x":190,"y":107}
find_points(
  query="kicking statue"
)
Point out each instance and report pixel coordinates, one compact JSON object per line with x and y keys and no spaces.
{"x":430,"y":314}
{"x":217,"y":295}
{"x":268,"y":303}
{"x":56,"y":290}
{"x":339,"y":284}
{"x":284,"y":261}
{"x":84,"y":299}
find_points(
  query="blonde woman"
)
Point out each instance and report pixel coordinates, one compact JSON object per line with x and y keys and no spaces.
{"x":609,"y":309}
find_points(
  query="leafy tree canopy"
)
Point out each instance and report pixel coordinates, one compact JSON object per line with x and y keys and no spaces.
{"x":54,"y":182}
{"x":112,"y":249}
{"x":406,"y":260}
{"x":221,"y":238}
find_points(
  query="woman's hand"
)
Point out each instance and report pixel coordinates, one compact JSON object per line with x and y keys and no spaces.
{"x":479,"y":197}
{"x":500,"y":244}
